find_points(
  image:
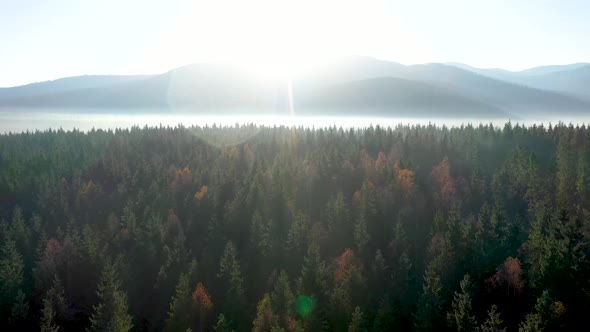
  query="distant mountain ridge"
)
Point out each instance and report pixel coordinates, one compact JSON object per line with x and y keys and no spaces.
{"x":350,"y":86}
{"x":571,"y":79}
{"x":67,"y":84}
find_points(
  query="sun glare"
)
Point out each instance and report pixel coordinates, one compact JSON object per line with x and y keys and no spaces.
{"x":278,"y":38}
{"x":273,"y":39}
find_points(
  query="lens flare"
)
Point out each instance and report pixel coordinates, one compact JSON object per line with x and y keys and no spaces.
{"x":305,"y":305}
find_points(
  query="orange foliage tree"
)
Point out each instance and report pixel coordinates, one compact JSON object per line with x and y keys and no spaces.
{"x":199,"y":195}
{"x":185,"y":175}
{"x":405,"y":178}
{"x":180,"y":178}
{"x":202,"y":302}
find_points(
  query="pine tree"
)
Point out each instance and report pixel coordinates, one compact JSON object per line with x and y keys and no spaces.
{"x":11,"y":278}
{"x":48,"y":317}
{"x":366,"y":217}
{"x":361,"y":234}
{"x":299,"y":237}
{"x":532,"y":323}
{"x":401,"y":277}
{"x":20,"y":231}
{"x":460,"y":317}
{"x":313,"y":279}
{"x":357,"y":322}
{"x":110,"y":314}
{"x":231,"y":276}
{"x":260,"y":234}
{"x":379,"y":275}
{"x":58,"y":301}
{"x":222,"y":324}
{"x":337,"y":220}
{"x":178,"y":316}
{"x":565,"y":177}
{"x":557,"y":253}
{"x":312,"y":285}
{"x":349,"y":292}
{"x":265,"y":320}
{"x":428,"y":312}
{"x":537,"y":321}
{"x":20,"y":307}
{"x":282,"y":299}
{"x":493,"y":323}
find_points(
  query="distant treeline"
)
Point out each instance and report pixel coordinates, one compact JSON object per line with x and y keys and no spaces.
{"x":293,"y":229}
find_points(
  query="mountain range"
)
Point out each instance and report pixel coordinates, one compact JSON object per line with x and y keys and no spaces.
{"x":346,"y":86}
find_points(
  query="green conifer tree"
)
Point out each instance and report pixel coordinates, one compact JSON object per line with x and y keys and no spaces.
{"x":460,"y":317}
{"x":493,"y":323}
{"x":110,"y":314}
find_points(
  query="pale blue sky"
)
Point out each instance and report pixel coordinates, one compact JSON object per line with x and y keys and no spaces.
{"x":48,"y":39}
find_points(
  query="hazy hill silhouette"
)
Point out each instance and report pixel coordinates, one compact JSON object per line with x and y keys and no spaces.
{"x":67,"y":84}
{"x":573,"y":79}
{"x":353,"y":85}
{"x":406,"y":97}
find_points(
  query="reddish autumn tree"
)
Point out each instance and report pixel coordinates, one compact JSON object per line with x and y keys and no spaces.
{"x":356,"y":197}
{"x":441,"y":174}
{"x":509,"y":276}
{"x":343,"y":263}
{"x":203,"y":305}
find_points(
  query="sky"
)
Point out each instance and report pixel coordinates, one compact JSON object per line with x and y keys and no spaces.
{"x":43,"y":40}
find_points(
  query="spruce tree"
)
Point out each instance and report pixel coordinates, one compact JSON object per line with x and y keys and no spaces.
{"x":357,"y":321}
{"x":48,"y":317}
{"x":110,"y":314}
{"x":265,"y":320}
{"x":222,"y":325}
{"x":537,"y":321}
{"x":282,"y":298}
{"x":231,"y":276}
{"x":460,"y":316}
{"x":428,"y":312}
{"x":493,"y":323}
{"x":178,"y":316}
{"x":11,"y":279}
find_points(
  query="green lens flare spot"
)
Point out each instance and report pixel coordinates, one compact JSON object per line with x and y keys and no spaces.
{"x":304,"y":305}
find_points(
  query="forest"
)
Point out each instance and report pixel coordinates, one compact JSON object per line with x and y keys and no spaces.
{"x":257,"y":228}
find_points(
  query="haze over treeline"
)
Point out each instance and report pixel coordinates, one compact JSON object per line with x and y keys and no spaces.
{"x":349,"y":86}
{"x":283,"y":229}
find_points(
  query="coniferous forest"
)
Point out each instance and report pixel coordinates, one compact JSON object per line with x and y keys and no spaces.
{"x":247,"y":228}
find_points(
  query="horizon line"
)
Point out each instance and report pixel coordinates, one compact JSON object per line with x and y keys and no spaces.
{"x":333,"y":58}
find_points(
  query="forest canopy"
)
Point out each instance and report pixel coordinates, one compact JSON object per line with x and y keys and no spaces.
{"x":252,"y":228}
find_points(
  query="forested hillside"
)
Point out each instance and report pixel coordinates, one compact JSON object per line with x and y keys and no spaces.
{"x":280,"y":229}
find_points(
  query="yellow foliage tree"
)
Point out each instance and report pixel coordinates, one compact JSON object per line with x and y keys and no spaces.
{"x":199,"y":195}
